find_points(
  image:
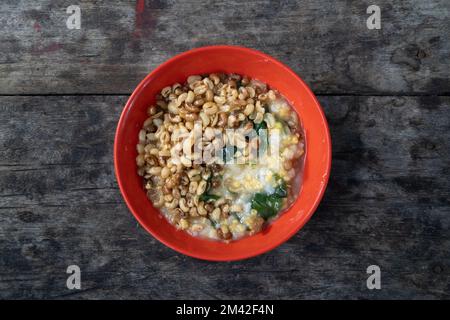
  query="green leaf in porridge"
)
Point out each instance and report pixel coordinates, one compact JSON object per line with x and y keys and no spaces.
{"x":263,"y":136}
{"x":266,"y":205}
{"x":259,"y":126}
{"x":208,"y":183}
{"x":208,"y":197}
{"x":281,"y":190}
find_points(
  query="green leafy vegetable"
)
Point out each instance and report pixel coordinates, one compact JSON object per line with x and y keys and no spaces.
{"x":263,"y":137}
{"x":259,"y":126}
{"x":281,"y":190}
{"x":266,"y":205}
{"x":208,"y":183}
{"x":234,"y":215}
{"x":208,"y":197}
{"x":214,"y":223}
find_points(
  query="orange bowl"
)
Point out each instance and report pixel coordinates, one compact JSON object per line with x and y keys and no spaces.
{"x":228,"y":59}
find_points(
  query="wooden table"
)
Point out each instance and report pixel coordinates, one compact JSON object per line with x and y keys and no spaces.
{"x":385,"y":93}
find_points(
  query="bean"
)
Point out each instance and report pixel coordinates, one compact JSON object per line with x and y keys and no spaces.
{"x":201,"y":187}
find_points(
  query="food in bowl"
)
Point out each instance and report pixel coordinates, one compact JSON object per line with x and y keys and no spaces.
{"x":221,"y":155}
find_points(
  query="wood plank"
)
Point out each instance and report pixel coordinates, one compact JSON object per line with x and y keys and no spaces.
{"x":327,"y":44}
{"x":387,"y":204}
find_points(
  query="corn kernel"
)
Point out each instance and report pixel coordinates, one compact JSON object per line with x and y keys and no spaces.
{"x":278,"y":125}
{"x":184,"y":224}
{"x":284,"y":112}
{"x":224,"y":228}
{"x":197,"y":227}
{"x":240,"y":228}
{"x":213,"y":233}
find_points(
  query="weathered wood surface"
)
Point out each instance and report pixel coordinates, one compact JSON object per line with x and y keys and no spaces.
{"x":327,"y":43}
{"x":387,"y":204}
{"x":385,"y":93}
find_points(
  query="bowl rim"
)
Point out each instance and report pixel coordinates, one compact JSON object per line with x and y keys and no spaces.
{"x":282,"y":239}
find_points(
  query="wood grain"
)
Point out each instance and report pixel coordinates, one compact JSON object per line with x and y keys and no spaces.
{"x":328,"y":44}
{"x":387,"y":204}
